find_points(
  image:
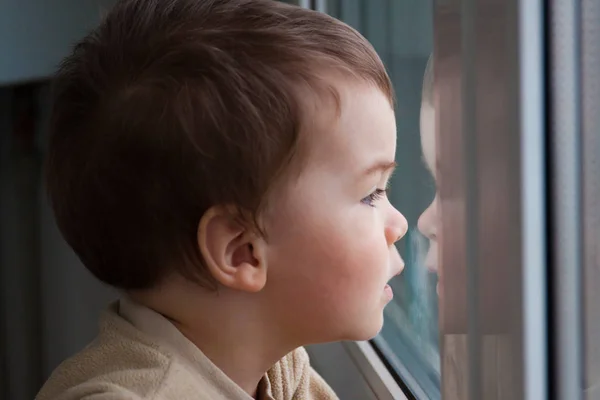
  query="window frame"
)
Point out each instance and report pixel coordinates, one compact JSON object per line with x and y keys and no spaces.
{"x":344,"y":365}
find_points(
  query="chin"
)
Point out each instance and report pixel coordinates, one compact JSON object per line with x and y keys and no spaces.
{"x":367,"y":330}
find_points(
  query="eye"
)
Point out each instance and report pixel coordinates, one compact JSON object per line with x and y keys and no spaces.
{"x":373,"y":197}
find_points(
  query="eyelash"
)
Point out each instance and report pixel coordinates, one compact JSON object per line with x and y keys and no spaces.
{"x":373,"y":197}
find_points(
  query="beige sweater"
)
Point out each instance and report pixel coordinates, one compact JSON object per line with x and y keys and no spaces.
{"x":139,"y":354}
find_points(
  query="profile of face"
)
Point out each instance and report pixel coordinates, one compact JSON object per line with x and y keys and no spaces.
{"x":331,"y":249}
{"x":428,"y":221}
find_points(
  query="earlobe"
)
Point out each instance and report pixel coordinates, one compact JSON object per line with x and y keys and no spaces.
{"x":233,"y":254}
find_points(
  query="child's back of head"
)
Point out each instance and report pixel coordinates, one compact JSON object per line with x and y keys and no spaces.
{"x":173,"y":106}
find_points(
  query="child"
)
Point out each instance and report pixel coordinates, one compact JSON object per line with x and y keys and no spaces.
{"x":428,"y":221}
{"x":224,"y":164}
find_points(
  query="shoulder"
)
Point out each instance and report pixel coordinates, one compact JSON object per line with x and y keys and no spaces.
{"x":124,"y":363}
{"x":108,"y":371}
{"x":118,"y":364}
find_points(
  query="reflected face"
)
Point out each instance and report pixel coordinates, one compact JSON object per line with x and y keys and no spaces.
{"x":331,"y":242}
{"x":428,"y":221}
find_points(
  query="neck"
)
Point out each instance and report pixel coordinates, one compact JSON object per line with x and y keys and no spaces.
{"x":232,"y":329}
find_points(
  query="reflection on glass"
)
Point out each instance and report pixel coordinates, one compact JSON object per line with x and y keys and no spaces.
{"x":411,"y":333}
{"x":401,"y":32}
{"x":428,"y":221}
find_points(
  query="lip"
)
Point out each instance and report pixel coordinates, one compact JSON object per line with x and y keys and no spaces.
{"x":388,"y":292}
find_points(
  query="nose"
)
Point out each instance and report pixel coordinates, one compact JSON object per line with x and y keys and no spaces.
{"x":427,"y":223}
{"x":396,"y":227}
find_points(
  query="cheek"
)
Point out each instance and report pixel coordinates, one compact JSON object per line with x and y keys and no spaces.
{"x":337,"y":266}
{"x":353,"y":261}
{"x":346,"y":248}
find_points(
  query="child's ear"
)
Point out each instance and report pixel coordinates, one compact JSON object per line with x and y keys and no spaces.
{"x":234,"y":255}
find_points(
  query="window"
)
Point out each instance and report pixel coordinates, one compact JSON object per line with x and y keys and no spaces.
{"x":516,"y":103}
{"x":401,"y":32}
{"x":590,"y":57}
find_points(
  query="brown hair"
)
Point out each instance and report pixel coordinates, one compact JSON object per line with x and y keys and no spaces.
{"x":172,"y":106}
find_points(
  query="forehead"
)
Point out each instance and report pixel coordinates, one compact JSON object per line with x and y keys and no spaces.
{"x":354,"y":132}
{"x":340,"y":141}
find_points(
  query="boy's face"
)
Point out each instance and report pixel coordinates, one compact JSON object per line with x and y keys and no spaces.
{"x":331,"y":231}
{"x":428,"y":221}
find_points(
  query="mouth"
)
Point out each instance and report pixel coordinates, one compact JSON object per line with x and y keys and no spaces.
{"x":387,"y":289}
{"x":431,"y":260}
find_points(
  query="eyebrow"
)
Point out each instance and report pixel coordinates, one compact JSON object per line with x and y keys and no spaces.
{"x":382,"y":166}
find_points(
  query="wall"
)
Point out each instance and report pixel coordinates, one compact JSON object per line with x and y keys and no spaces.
{"x":36,"y":34}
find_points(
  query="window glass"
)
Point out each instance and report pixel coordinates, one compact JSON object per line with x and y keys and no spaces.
{"x":590,"y":58}
{"x":401,"y":32}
